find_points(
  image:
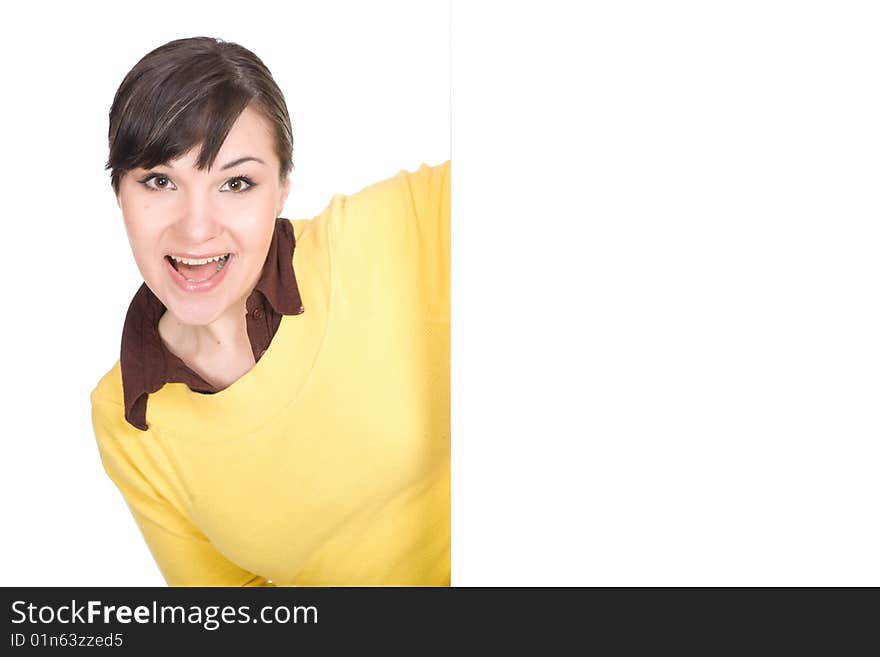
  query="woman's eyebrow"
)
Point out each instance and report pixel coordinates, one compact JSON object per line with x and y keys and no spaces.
{"x":229,"y":165}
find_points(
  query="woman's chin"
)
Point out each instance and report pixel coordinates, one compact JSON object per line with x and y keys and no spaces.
{"x":195,"y":314}
{"x":198,"y":311}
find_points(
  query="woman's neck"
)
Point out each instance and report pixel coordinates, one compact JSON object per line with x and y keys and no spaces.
{"x":220,"y":352}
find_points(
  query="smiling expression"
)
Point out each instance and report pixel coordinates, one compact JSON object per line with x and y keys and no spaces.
{"x":200,"y":238}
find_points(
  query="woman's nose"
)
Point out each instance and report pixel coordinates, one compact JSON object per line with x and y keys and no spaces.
{"x":197,"y":221}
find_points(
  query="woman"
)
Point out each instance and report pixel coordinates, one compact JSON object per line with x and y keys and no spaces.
{"x":279,"y":413}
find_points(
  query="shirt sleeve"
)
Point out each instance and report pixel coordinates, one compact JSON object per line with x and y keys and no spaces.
{"x":393,"y":239}
{"x":428,"y":189}
{"x":422,"y":234}
{"x":424,"y":222}
{"x":185,"y":557}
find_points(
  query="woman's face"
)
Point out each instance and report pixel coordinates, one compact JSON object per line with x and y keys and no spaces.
{"x":174,"y":211}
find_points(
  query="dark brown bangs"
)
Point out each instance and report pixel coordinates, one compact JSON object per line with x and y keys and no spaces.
{"x":190,"y":92}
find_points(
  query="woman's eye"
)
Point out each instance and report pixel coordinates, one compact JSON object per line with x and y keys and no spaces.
{"x":235,"y":184}
{"x":161,"y":182}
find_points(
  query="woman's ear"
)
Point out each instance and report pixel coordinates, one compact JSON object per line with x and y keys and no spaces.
{"x":282,"y":195}
{"x":118,"y":190}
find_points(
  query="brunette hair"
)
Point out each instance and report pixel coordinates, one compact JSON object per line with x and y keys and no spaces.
{"x":188,"y":92}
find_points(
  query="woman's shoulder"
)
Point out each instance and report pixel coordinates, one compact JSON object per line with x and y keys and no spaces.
{"x":114,"y":434}
{"x":108,"y":390}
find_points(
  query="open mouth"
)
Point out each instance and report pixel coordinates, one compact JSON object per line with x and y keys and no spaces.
{"x":196,"y":271}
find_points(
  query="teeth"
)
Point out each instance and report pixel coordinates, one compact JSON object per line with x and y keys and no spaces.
{"x":201,"y":261}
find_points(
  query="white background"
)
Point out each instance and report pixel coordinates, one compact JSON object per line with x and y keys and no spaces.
{"x":666,"y":337}
{"x":664,"y":279}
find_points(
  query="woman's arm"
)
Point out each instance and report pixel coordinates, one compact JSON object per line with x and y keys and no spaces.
{"x":395,"y":234}
{"x":183,"y":554}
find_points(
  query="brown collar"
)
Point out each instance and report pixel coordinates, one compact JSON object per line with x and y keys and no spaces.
{"x":147,"y":364}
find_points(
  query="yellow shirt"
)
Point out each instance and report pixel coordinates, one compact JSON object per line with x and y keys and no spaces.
{"x":327,"y":464}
